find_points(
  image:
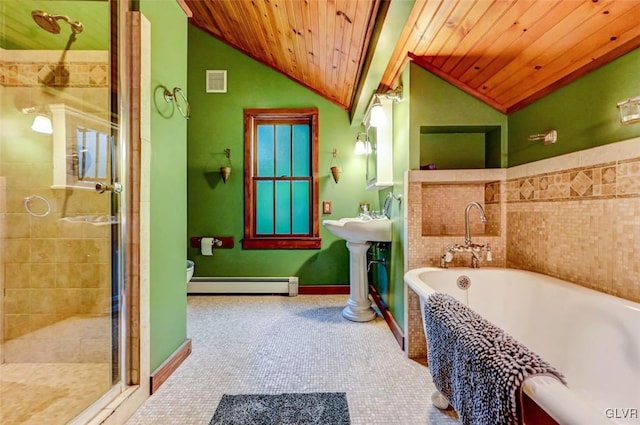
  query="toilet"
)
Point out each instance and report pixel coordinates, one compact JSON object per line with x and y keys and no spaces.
{"x":190,"y":267}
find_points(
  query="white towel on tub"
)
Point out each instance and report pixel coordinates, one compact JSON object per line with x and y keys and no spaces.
{"x":477,"y":365}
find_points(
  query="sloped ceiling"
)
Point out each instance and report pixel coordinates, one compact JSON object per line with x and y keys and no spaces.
{"x":506,"y":53}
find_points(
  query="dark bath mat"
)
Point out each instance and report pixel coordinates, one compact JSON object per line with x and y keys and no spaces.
{"x":282,"y":409}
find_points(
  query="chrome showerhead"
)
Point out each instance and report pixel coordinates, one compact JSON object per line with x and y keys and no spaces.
{"x":49,"y":22}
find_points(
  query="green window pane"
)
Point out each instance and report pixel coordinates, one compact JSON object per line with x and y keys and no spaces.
{"x":283,"y":150}
{"x":300,"y":210}
{"x":283,"y":208}
{"x":264,"y":208}
{"x":265,"y":150}
{"x":301,"y":150}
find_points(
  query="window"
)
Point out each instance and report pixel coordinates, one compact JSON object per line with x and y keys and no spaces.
{"x":281,"y":179}
{"x":90,"y":155}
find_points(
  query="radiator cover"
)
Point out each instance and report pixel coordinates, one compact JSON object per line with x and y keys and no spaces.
{"x":244,"y":285}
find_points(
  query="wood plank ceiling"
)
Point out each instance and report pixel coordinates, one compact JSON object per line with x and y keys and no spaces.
{"x":507,"y":53}
{"x":320,"y":44}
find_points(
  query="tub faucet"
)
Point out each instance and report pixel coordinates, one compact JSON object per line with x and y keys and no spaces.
{"x":467,"y":235}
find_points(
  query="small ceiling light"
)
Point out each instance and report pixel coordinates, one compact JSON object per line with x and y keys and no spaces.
{"x":629,"y":110}
{"x":42,"y":124}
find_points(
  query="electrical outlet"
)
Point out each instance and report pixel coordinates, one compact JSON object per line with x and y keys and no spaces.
{"x":326,"y":207}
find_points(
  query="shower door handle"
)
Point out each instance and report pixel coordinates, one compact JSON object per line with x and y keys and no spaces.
{"x":104,"y":187}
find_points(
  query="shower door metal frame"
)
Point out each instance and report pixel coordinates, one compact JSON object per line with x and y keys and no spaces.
{"x":124,"y":277}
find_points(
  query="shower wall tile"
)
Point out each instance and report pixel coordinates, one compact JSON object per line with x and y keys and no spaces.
{"x":40,"y":276}
{"x":17,"y":251}
{"x":19,"y":273}
{"x":48,"y":262}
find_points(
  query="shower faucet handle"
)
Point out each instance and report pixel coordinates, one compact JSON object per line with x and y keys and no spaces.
{"x":105,"y":187}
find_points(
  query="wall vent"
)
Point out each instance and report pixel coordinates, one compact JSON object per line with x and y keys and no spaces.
{"x":216,"y":81}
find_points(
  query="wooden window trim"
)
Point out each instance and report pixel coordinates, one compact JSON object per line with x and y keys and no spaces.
{"x":251,"y":240}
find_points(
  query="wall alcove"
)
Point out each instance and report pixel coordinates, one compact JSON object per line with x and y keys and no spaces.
{"x":460,"y":147}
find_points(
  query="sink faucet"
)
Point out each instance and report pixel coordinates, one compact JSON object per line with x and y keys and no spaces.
{"x":467,"y":235}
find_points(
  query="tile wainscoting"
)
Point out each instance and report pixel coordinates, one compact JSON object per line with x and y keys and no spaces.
{"x":575,"y":217}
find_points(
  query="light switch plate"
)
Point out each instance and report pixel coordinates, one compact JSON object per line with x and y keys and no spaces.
{"x":326,"y":207}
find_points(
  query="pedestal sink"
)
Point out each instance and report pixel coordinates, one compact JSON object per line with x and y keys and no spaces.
{"x":359,"y":232}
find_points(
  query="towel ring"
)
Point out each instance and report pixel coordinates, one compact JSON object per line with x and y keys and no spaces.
{"x":28,"y":200}
{"x":170,"y":97}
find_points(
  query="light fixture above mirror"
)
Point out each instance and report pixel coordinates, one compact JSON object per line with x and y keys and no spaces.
{"x":375,"y":116}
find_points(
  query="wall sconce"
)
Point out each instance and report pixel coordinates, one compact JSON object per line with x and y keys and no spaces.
{"x":549,"y":137}
{"x":363,"y":146}
{"x":377,"y":116}
{"x":225,"y":170}
{"x":629,"y":110}
{"x":376,"y":113}
{"x":41,"y":121}
{"x":336,"y":170}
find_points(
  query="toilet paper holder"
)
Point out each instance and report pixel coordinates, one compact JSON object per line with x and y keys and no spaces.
{"x":218,"y":241}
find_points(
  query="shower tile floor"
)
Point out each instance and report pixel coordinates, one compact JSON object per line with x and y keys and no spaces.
{"x":54,"y":373}
{"x":276,"y":344}
{"x":49,"y":393}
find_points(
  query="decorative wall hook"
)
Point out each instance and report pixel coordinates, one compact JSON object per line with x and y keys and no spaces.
{"x":629,"y":110}
{"x":336,"y":168}
{"x":549,"y":137}
{"x":225,"y":170}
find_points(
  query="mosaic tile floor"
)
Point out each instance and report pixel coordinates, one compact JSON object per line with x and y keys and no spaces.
{"x":275,"y":344}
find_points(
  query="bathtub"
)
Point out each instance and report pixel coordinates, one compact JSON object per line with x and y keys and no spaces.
{"x":591,"y":337}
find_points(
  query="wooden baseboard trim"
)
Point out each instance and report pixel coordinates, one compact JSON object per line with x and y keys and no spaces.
{"x":388,"y":317}
{"x":169,"y":366}
{"x":323,"y":289}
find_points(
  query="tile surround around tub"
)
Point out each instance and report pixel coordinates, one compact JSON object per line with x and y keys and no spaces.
{"x":442,"y":196}
{"x":575,"y":217}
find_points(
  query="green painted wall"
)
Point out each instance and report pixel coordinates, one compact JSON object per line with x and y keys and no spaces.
{"x":394,"y":297}
{"x":584,"y":113}
{"x":434,"y":102}
{"x":21,"y":32}
{"x":453,"y":150}
{"x":216,"y":208}
{"x":168,"y":180}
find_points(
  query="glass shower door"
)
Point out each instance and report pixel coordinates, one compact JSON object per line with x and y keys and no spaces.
{"x":60,"y":225}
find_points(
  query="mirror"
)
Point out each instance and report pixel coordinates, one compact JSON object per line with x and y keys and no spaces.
{"x":371,"y":156}
{"x":379,"y":158}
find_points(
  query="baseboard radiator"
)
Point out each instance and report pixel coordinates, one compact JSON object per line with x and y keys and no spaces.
{"x":244,"y":285}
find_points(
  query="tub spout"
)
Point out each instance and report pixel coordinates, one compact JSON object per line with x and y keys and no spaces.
{"x":467,"y":234}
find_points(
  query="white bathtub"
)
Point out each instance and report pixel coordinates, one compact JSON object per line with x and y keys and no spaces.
{"x":591,"y":337}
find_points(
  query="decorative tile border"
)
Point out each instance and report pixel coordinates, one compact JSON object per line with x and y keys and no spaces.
{"x":492,"y":193}
{"x":599,"y":181}
{"x":33,"y":74}
{"x":52,"y":68}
